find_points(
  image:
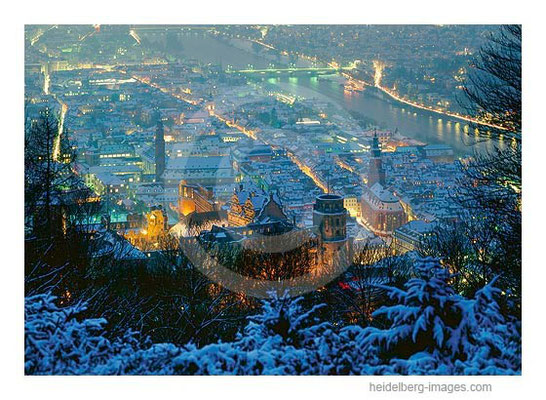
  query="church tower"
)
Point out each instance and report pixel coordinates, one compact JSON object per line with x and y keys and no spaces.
{"x":159,"y":149}
{"x":376,"y":172}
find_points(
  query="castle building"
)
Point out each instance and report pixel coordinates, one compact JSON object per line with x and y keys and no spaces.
{"x":250,"y":215}
{"x":331,"y":247}
{"x":248,"y":206}
{"x":194,"y":198}
{"x":330,"y":218}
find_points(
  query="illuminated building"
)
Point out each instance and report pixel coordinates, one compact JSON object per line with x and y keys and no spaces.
{"x":381,"y":210}
{"x":439,"y":153}
{"x":157,"y":227}
{"x":254,"y":153}
{"x":409,"y":237}
{"x":105,"y":183}
{"x":352,"y":204}
{"x":330,"y":218}
{"x":152,"y":193}
{"x":250,"y":216}
{"x":247,"y":207}
{"x":206,"y":171}
{"x":199,"y":146}
{"x":383,"y":136}
{"x":198,"y":117}
{"x":115,"y":150}
{"x":194,"y":198}
{"x":157,"y":223}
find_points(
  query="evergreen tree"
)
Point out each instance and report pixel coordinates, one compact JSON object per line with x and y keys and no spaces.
{"x":490,"y":189}
{"x":435,"y":330}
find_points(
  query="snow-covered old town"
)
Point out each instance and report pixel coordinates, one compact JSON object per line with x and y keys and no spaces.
{"x":272,"y":199}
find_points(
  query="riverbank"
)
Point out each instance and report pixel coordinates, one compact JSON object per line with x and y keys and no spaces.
{"x":421,"y":125}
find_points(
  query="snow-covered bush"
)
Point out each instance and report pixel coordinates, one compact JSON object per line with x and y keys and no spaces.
{"x":59,"y":341}
{"x":282,"y":340}
{"x":432,"y":330}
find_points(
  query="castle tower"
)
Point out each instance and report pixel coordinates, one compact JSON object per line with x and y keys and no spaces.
{"x":330,"y":217}
{"x":376,"y":172}
{"x":159,"y":149}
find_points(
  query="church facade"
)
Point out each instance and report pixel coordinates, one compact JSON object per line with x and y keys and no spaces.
{"x":381,"y":209}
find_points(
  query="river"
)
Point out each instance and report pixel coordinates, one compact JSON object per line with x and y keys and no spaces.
{"x":387,"y":113}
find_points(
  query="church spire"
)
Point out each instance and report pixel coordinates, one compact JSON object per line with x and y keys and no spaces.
{"x":376,"y":172}
{"x":159,"y":148}
{"x":376,"y":150}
